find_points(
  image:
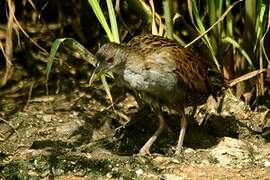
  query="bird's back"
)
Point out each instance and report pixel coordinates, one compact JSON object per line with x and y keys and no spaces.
{"x":193,"y":79}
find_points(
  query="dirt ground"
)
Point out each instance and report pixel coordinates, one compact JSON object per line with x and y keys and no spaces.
{"x":78,"y":135}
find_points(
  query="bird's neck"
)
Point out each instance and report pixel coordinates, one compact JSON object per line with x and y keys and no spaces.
{"x":120,"y":58}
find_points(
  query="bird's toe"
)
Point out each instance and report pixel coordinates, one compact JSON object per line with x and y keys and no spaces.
{"x":144,"y":151}
{"x":178,"y":151}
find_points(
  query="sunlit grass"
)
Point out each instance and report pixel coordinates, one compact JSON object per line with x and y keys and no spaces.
{"x":216,"y":26}
{"x":222,"y":34}
{"x":112,"y":32}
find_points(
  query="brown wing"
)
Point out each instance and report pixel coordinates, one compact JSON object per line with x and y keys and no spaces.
{"x":192,"y":70}
{"x":149,"y":43}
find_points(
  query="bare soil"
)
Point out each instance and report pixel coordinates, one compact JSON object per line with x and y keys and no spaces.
{"x":78,"y":135}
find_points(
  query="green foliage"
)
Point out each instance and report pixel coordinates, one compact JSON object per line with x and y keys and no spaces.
{"x":112,"y":32}
{"x":100,"y":16}
{"x":75,"y":46}
{"x":237,"y":46}
{"x":223,"y":34}
{"x":168,"y":13}
{"x":213,"y":20}
{"x":202,"y":30}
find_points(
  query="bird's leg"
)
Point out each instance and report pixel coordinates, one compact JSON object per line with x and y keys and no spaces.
{"x":146,"y":148}
{"x":184,"y":123}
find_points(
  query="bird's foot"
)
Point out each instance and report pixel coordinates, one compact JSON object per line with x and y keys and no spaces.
{"x":144,"y":151}
{"x":178,"y":151}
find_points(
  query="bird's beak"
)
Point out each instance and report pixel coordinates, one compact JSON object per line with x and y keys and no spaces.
{"x":98,"y":71}
{"x":95,"y":75}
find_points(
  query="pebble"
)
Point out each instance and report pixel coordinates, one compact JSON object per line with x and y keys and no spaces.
{"x":267,"y":163}
{"x":139,"y":172}
{"x":189,"y":150}
{"x":68,"y":128}
{"x":47,"y":118}
{"x":232,"y":151}
{"x":171,"y":177}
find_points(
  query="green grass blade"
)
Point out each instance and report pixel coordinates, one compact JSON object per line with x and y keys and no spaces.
{"x":54,"y":49}
{"x":197,"y":16}
{"x":202,"y":29}
{"x":229,"y":20}
{"x":112,"y":34}
{"x":168,"y":13}
{"x":113,"y":21}
{"x":79,"y":48}
{"x":260,"y":24}
{"x":141,"y":10}
{"x":250,"y":17}
{"x":106,"y":87}
{"x":242,"y":51}
{"x":250,"y":12}
{"x":100,"y":16}
{"x":212,"y":11}
{"x":74,"y":45}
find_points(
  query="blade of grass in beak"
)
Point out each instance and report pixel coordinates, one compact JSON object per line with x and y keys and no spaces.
{"x":102,"y":76}
{"x":97,"y":75}
{"x":93,"y":77}
{"x":106,"y":87}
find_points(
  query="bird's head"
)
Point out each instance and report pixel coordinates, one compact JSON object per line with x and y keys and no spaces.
{"x":110,"y":57}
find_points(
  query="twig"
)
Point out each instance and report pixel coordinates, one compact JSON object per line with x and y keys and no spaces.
{"x":29,"y":94}
{"x":246,"y":77}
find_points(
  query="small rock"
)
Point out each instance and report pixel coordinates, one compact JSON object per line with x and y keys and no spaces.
{"x":232,"y":152}
{"x":202,"y":174}
{"x":159,"y":159}
{"x":139,"y":172}
{"x":47,"y":118}
{"x":32,"y":173}
{"x":171,"y":177}
{"x":175,"y":161}
{"x":68,"y":128}
{"x":189,"y":150}
{"x":205,"y":162}
{"x":45,"y":173}
{"x":267,"y":164}
{"x":109,"y":175}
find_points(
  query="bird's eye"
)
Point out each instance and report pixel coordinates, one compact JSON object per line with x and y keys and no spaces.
{"x":110,"y":60}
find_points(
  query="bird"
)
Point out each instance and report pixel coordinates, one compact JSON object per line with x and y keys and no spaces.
{"x":161,"y":73}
